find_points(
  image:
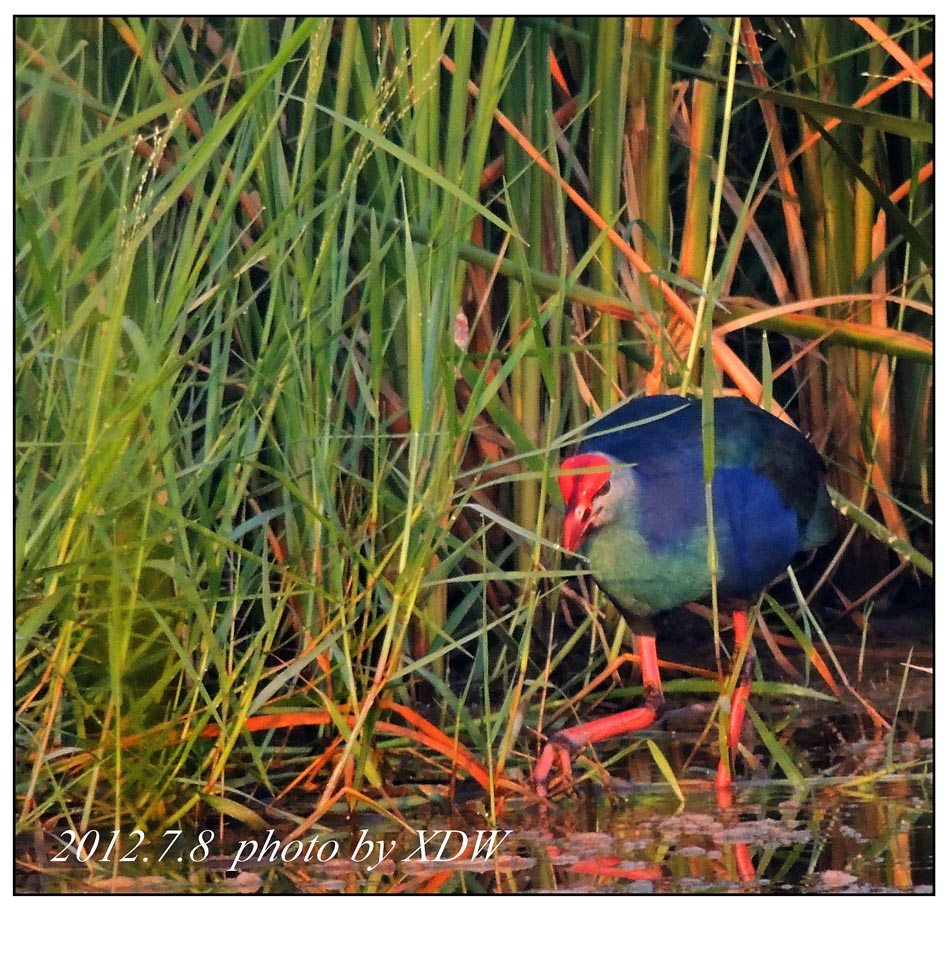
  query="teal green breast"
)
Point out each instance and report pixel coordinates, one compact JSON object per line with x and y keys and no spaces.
{"x":644,"y":581}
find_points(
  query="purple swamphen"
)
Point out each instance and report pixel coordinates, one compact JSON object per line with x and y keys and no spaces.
{"x":636,"y":509}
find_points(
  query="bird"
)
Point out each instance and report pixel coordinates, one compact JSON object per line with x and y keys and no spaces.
{"x":636,"y":511}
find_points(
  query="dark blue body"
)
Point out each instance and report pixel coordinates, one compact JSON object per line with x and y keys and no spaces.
{"x":769,"y":500}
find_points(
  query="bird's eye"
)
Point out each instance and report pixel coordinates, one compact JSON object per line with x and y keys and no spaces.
{"x":603,"y":491}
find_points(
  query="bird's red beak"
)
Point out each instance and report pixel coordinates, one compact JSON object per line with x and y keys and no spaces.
{"x":575,"y":528}
{"x":580,"y":479}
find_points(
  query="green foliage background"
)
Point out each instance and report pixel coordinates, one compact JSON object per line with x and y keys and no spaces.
{"x":302,"y":328}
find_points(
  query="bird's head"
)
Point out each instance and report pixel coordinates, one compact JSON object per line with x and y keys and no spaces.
{"x":587,"y":485}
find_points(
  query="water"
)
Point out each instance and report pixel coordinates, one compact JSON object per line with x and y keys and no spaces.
{"x":873,"y":836}
{"x":859,"y":821}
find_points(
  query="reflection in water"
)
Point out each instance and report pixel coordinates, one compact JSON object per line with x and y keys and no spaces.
{"x":859,"y":820}
{"x":835,"y":838}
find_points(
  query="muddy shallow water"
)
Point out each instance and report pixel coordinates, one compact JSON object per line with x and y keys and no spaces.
{"x":861,"y":820}
{"x":876,"y":836}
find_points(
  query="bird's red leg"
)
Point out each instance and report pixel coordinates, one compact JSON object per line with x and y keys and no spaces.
{"x":737,"y":703}
{"x":565,"y":743}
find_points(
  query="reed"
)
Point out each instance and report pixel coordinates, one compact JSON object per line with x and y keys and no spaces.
{"x":308,"y":310}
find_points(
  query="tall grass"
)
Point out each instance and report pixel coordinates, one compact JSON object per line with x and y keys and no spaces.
{"x":302,"y":310}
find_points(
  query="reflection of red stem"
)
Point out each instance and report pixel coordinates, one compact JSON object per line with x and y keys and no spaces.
{"x":609,"y":867}
{"x":744,"y":863}
{"x":723,"y":794}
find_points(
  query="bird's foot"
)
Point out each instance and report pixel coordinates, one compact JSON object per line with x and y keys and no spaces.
{"x":566,"y":742}
{"x":559,"y":748}
{"x":723,"y":777}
